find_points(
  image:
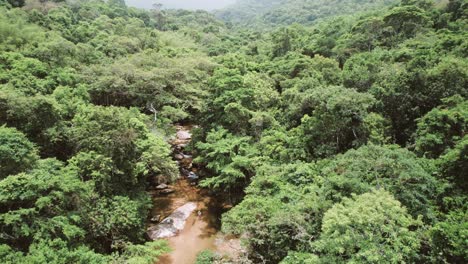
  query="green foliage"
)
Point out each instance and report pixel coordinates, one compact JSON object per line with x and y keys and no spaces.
{"x":405,"y":21}
{"x":41,"y":204}
{"x":27,"y":75}
{"x":299,"y":257}
{"x":441,"y":128}
{"x":117,"y":221}
{"x":31,"y":115}
{"x":304,"y":192}
{"x":205,"y":257}
{"x":310,"y":123}
{"x":17,"y":153}
{"x":120,"y":134}
{"x":453,"y":165}
{"x":377,"y":128}
{"x":231,"y":159}
{"x":449,"y":236}
{"x":55,"y":252}
{"x":334,"y":120}
{"x":372,"y":227}
{"x":142,"y":254}
{"x":239,"y":102}
{"x":285,"y":12}
{"x":282,"y":211}
{"x":172,"y":85}
{"x":396,"y":170}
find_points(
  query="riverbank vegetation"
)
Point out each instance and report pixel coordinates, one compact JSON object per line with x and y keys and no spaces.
{"x":338,"y":136}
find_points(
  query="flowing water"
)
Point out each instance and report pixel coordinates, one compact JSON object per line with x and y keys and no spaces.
{"x":203,"y":223}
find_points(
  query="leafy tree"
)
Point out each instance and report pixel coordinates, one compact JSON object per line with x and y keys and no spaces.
{"x":142,"y":254}
{"x":41,"y":204}
{"x":453,"y":165}
{"x":172,"y":85}
{"x":119,"y":134}
{"x":449,"y":236}
{"x":405,"y":95}
{"x":30,"y":115}
{"x":405,"y":22}
{"x":282,"y":41}
{"x":240,"y":103}
{"x":282,"y":146}
{"x":372,"y":227}
{"x":282,"y":211}
{"x":114,"y":222}
{"x":441,"y":128}
{"x":367,"y":34}
{"x":300,"y":257}
{"x":391,"y":168}
{"x":334,"y":120}
{"x":230,"y":158}
{"x":17,"y":153}
{"x":53,"y":251}
{"x":27,"y":75}
{"x":362,"y":70}
{"x":205,"y":257}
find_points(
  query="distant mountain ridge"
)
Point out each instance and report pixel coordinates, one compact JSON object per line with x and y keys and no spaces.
{"x":265,"y":13}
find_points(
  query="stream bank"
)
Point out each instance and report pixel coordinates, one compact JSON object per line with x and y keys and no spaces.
{"x":187,"y":216}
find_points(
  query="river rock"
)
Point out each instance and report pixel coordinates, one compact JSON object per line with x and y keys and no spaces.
{"x":186,"y":163}
{"x":184,"y":135}
{"x":184,"y":171}
{"x":167,"y":191}
{"x":171,"y":225}
{"x":162,"y":186}
{"x":179,"y":156}
{"x":192,"y":176}
{"x":155,"y":219}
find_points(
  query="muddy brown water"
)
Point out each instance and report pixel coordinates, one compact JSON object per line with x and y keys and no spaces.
{"x":201,"y":231}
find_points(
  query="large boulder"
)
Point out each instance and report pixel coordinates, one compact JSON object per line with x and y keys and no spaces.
{"x":174,"y":223}
{"x":184,"y":135}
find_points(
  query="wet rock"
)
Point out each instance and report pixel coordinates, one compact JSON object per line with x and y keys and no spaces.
{"x":170,"y":226}
{"x":184,"y":171}
{"x":167,"y":191}
{"x":177,"y":149}
{"x":155,"y":219}
{"x":162,"y":186}
{"x":179,"y":156}
{"x":162,"y":179}
{"x":184,"y":135}
{"x":192,"y":176}
{"x":186,"y":163}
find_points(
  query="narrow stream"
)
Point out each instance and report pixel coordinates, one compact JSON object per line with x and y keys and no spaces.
{"x":182,"y":202}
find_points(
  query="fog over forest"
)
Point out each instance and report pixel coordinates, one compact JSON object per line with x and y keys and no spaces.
{"x":185,"y":4}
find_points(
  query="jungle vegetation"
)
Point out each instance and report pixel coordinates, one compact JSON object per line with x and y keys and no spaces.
{"x":337,"y":129}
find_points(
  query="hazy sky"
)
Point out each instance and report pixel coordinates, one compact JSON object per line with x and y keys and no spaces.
{"x":186,"y":4}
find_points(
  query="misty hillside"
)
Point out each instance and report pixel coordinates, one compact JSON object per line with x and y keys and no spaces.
{"x":286,"y":12}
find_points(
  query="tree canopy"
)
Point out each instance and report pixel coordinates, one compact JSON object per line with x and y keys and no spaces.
{"x":333,"y":131}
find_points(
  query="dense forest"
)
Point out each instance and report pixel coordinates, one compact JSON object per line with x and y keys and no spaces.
{"x":268,"y":13}
{"x":335,"y":129}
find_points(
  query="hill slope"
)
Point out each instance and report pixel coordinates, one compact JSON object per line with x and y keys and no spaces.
{"x":285,"y":12}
